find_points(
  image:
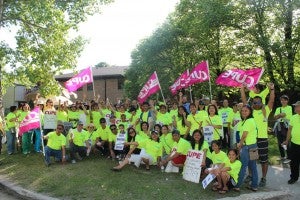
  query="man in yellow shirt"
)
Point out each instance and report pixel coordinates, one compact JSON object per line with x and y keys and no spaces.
{"x":78,"y":142}
{"x":56,"y":145}
{"x":293,"y":136}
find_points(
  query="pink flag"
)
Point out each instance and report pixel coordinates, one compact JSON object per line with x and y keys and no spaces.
{"x":198,"y":74}
{"x":31,"y":121}
{"x":180,"y":82}
{"x":238,"y":77}
{"x":79,"y":80}
{"x":149,"y":88}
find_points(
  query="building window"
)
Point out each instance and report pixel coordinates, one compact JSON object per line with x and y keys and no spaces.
{"x":120,"y":83}
{"x":89,"y":87}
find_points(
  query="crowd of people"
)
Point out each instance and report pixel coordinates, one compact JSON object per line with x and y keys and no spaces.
{"x":161,"y":134}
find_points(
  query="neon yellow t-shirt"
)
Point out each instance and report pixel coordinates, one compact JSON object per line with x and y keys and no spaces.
{"x":143,"y":134}
{"x":263,"y":95}
{"x":55,"y":141}
{"x":287,"y":110}
{"x":215,"y":120}
{"x":9,"y":124}
{"x":182,"y":146}
{"x":62,"y":116}
{"x":248,"y":125}
{"x":96,"y":118}
{"x":104,"y":133}
{"x":167,"y":142}
{"x":295,"y":123}
{"x":174,"y":112}
{"x":153,"y":148}
{"x":205,"y":146}
{"x":235,"y":168}
{"x":225,"y":114}
{"x":23,"y":114}
{"x":219,"y":158}
{"x":112,"y":137}
{"x":79,"y":138}
{"x":262,"y":124}
{"x":92,"y":136}
{"x":182,"y":129}
{"x":118,"y":115}
{"x":73,"y":117}
{"x":163,"y":119}
{"x":195,"y":121}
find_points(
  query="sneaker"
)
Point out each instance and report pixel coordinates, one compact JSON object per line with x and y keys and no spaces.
{"x":73,"y":161}
{"x":292,"y":181}
{"x":262,"y":182}
{"x":280,"y":159}
{"x":248,"y":179}
{"x":286,"y":161}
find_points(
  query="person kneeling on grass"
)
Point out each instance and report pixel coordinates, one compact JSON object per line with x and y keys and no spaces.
{"x":78,"y":142}
{"x":227,"y":176}
{"x":56,"y":145}
{"x":179,"y":151}
{"x":150,"y":154}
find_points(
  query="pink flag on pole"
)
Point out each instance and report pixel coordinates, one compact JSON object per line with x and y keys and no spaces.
{"x":31,"y":121}
{"x":199,"y":74}
{"x":149,"y":88}
{"x":180,"y":82}
{"x":79,"y":80}
{"x":238,"y":77}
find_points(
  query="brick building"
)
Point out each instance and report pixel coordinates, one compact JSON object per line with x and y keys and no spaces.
{"x":108,"y":82}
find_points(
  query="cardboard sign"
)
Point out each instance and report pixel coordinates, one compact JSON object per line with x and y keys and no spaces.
{"x":192,"y":166}
{"x":120,"y":140}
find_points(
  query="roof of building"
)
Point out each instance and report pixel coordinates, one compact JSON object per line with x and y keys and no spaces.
{"x":100,"y":72}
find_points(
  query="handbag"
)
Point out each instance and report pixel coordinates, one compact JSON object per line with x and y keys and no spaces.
{"x":253,"y":154}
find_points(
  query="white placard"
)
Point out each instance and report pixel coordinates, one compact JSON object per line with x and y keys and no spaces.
{"x":50,"y":120}
{"x":192,"y":166}
{"x":208,"y":179}
{"x":208,"y":132}
{"x":224,"y":117}
{"x":170,"y":168}
{"x":120,"y":140}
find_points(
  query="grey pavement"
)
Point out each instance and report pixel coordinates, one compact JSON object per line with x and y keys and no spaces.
{"x":13,"y":191}
{"x":276,"y":188}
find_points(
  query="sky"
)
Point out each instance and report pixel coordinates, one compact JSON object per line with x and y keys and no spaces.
{"x":117,"y":31}
{"x":114,"y":33}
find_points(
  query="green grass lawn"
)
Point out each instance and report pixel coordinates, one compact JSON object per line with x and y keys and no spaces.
{"x":93,"y":179}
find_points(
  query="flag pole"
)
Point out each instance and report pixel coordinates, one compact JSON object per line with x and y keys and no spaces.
{"x":41,"y":133}
{"x":209,"y":80}
{"x":190,"y":88}
{"x":160,"y":88}
{"x":94,"y":92}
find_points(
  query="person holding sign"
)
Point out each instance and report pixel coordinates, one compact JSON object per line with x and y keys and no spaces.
{"x":50,"y":118}
{"x":112,"y":139}
{"x":198,"y":143}
{"x":92,"y":138}
{"x":225,"y":113}
{"x":248,"y":135}
{"x":213,"y":120}
{"x":228,"y":175}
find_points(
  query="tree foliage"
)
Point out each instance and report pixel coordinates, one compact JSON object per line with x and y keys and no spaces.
{"x":227,"y":33}
{"x":43,"y":47}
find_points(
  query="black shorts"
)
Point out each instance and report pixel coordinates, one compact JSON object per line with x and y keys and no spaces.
{"x":263,"y":150}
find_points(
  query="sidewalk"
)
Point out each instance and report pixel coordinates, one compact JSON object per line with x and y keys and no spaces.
{"x":277,"y":186}
{"x":19,"y":192}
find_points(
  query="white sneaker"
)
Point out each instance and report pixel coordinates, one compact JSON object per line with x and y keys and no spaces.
{"x":73,"y":161}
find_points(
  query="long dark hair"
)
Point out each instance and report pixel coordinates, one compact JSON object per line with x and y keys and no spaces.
{"x":201,"y":141}
{"x":129,"y":137}
{"x":251,"y":111}
{"x":146,"y":124}
{"x":180,"y":116}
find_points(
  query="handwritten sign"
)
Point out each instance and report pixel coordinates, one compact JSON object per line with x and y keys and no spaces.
{"x":120,"y":140}
{"x":192,"y":166}
{"x":208,"y":132}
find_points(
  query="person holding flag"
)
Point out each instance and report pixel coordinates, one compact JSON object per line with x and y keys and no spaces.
{"x":26,"y":136}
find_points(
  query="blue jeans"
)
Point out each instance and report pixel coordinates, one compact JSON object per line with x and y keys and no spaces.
{"x":52,"y":152}
{"x":247,"y":163}
{"x":38,"y":139}
{"x":11,"y":141}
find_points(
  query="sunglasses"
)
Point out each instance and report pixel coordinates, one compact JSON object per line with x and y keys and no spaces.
{"x":113,"y":129}
{"x":102,"y":122}
{"x":256,"y":103}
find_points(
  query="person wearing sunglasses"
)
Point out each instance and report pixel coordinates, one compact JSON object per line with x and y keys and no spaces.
{"x":56,"y":145}
{"x":103,"y":131}
{"x":92,"y":138}
{"x":112,"y":140}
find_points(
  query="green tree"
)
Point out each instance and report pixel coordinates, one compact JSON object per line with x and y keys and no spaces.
{"x":43,"y":48}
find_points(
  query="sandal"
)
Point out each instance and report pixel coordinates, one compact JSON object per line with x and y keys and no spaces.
{"x":236,"y":189}
{"x":251,"y":188}
{"x":115,"y":169}
{"x":223,"y":191}
{"x":216,"y":188}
